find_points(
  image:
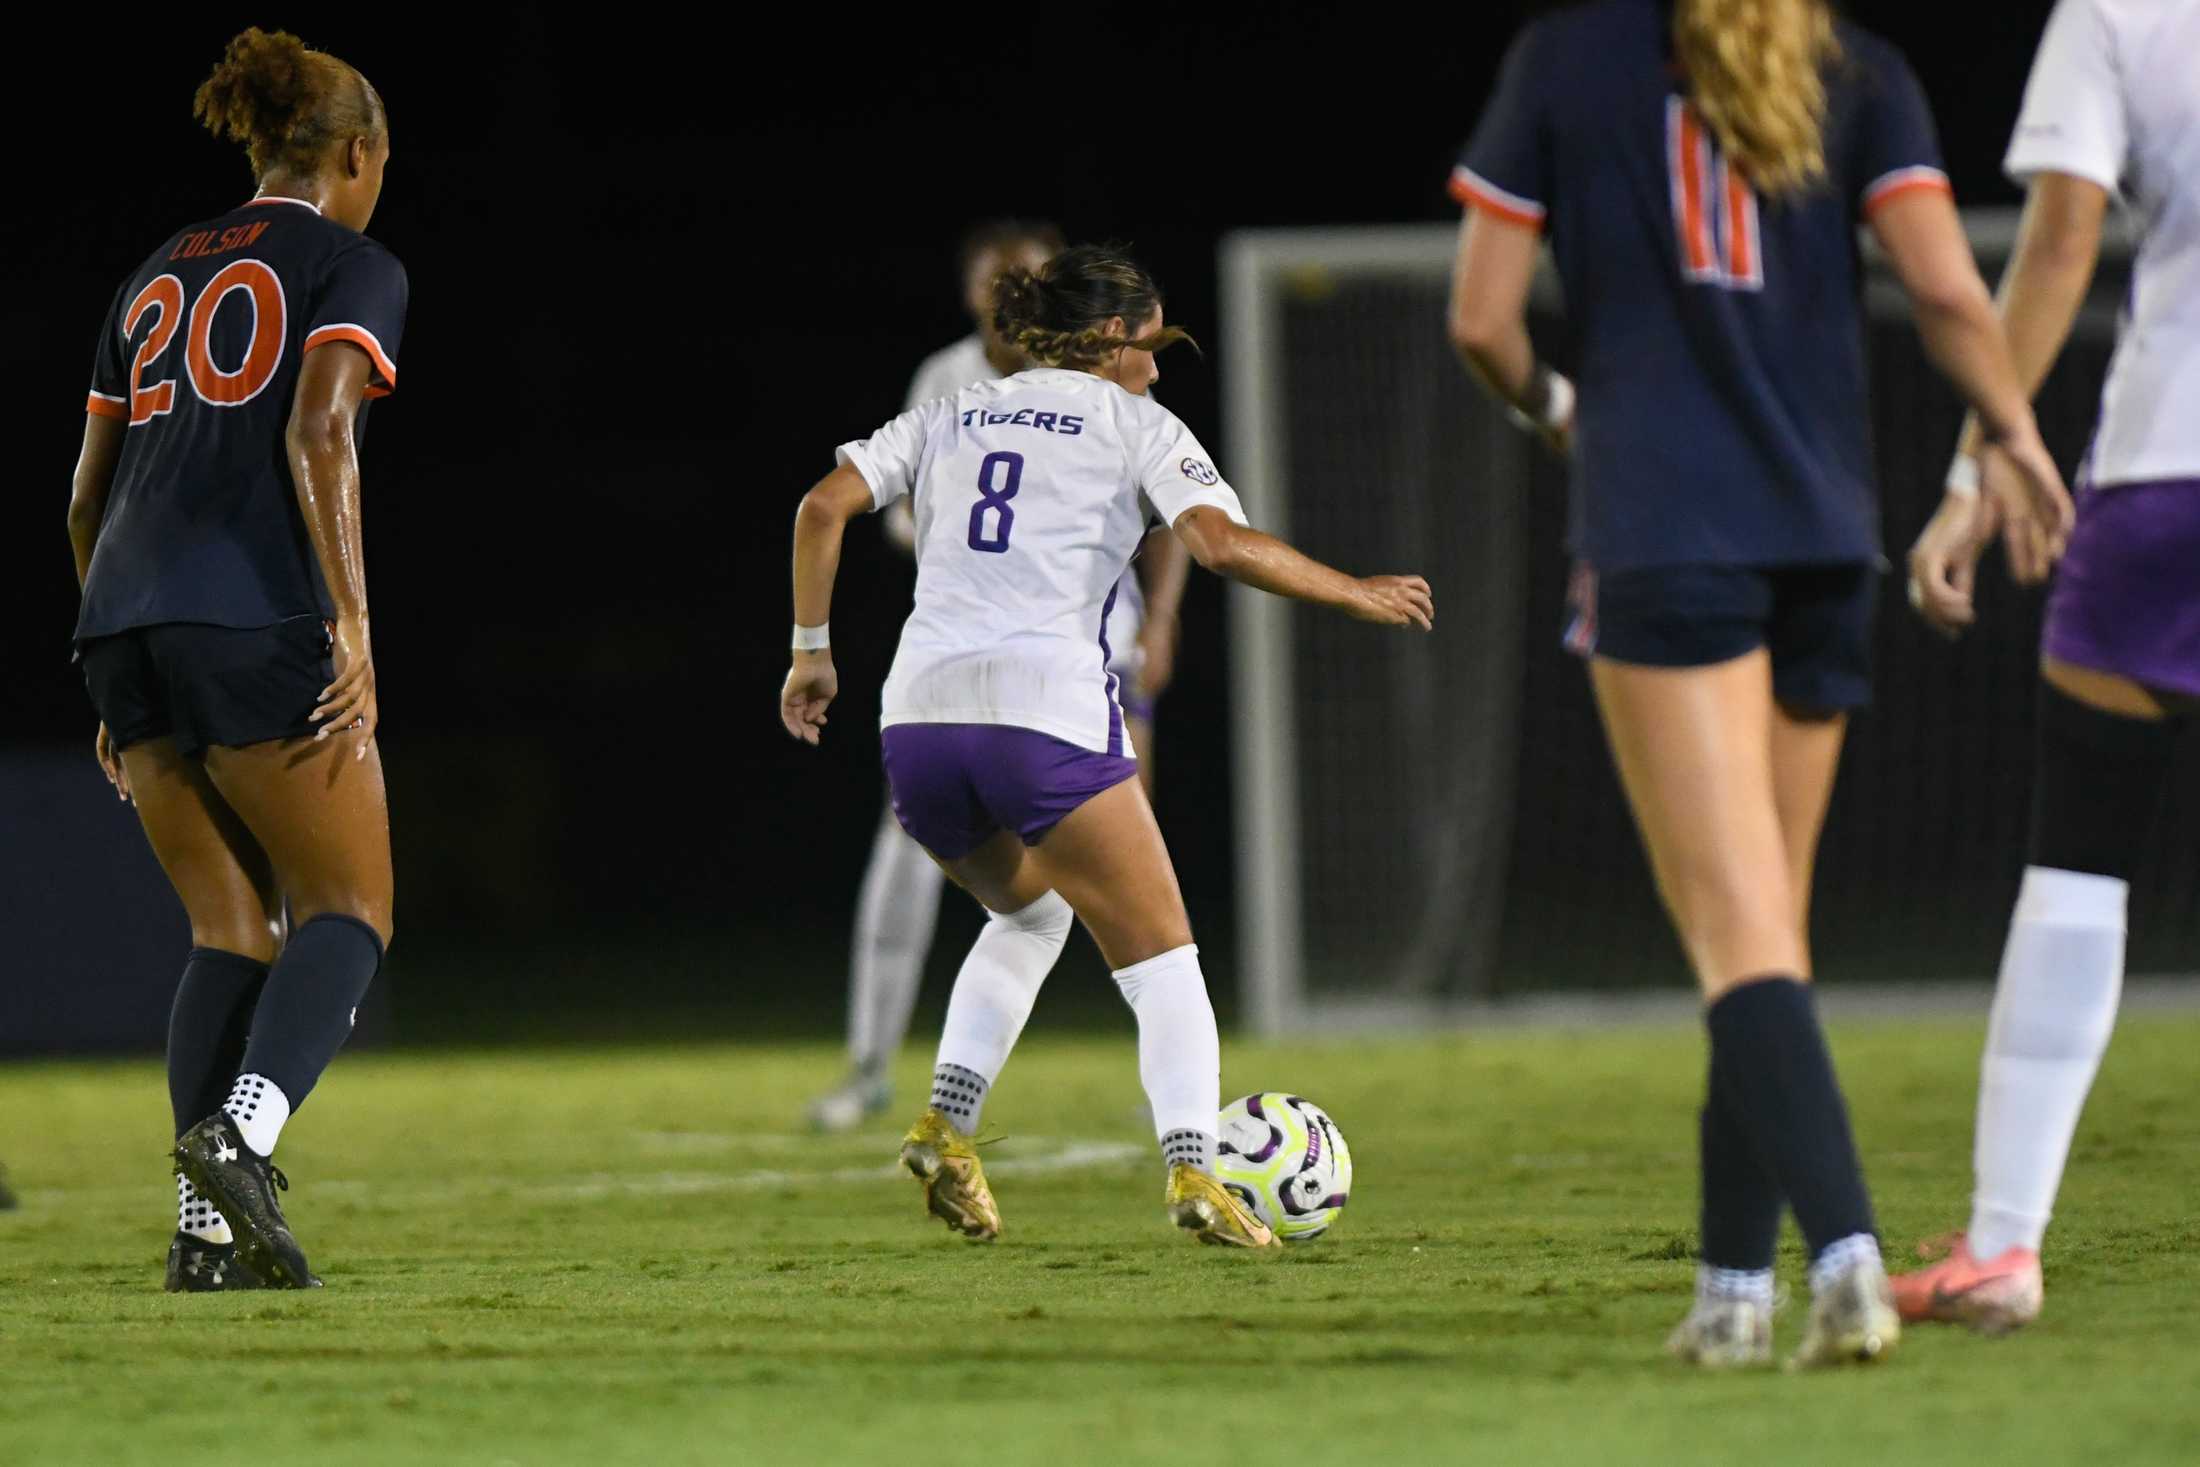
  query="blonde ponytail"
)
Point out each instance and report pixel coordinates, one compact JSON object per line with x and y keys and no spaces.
{"x":1756,"y":70}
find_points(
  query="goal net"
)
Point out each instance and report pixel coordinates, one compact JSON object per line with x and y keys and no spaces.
{"x":1425,"y":824}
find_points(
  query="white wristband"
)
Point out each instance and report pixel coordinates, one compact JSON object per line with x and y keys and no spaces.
{"x":1962,"y":479}
{"x":1558,"y":408}
{"x":813,"y":639}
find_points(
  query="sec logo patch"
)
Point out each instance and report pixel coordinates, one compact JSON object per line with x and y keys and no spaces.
{"x":1198,"y":472}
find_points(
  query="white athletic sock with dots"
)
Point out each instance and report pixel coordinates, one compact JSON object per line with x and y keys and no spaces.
{"x":2054,"y":1007}
{"x":994,"y":992}
{"x":259,"y":1107}
{"x":1839,"y":1258}
{"x":1179,"y":1052}
{"x":896,"y":911}
{"x":196,"y":1216}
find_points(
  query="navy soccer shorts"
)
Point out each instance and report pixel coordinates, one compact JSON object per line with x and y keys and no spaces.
{"x":1815,"y":620}
{"x":209,"y":686}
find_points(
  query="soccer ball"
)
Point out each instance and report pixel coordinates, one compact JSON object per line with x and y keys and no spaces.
{"x":1285,"y":1158}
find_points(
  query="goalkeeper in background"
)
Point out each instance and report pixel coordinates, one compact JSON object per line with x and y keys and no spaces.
{"x":899,"y":902}
{"x":1702,"y":167}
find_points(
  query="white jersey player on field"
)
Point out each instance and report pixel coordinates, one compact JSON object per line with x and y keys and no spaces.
{"x":1002,"y":732}
{"x":897,"y":906}
{"x":2112,"y":109}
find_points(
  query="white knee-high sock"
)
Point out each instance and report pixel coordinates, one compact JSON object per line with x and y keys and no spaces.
{"x":896,"y":911}
{"x":2054,"y":1005}
{"x":1179,"y":1052}
{"x":994,"y":992}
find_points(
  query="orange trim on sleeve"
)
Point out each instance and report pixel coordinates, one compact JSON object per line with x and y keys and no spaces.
{"x":374,"y":391}
{"x":1469,"y":191}
{"x":106,"y":407}
{"x":364,"y":340}
{"x":1907,"y":182}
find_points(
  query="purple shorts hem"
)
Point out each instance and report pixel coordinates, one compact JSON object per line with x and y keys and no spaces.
{"x":2127,"y":596}
{"x":954,"y":785}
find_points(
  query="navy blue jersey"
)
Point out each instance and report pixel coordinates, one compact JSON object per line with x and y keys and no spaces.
{"x":200,"y":356}
{"x":1722,"y":415}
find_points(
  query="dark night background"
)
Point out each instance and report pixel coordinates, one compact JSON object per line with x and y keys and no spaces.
{"x":660,"y":266}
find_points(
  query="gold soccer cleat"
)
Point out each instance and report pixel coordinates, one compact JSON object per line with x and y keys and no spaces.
{"x":1853,"y":1321}
{"x":1204,"y":1206}
{"x":946,"y":1161}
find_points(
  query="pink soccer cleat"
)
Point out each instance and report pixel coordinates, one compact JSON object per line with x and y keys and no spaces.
{"x":1993,"y":1298}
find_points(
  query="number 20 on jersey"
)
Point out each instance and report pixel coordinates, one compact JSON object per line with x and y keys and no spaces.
{"x":162,"y":298}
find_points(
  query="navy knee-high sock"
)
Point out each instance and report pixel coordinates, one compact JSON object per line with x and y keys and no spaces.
{"x":206,"y":1030}
{"x":305,"y":1013}
{"x":1770,"y":1058}
{"x":1741,"y":1198}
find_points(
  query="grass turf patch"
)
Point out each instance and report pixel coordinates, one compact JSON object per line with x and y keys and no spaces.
{"x":634,"y":1255}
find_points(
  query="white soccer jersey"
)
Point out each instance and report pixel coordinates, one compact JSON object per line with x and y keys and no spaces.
{"x":2114,"y":98}
{"x":946,"y":372}
{"x":1032,"y":493}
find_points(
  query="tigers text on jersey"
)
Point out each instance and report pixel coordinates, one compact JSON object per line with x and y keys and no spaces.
{"x":200,"y":356}
{"x":2115,"y":99}
{"x":1722,"y":415}
{"x":1032,"y":493}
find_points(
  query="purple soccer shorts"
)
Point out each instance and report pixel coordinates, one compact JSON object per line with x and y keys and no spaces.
{"x":2127,"y":597}
{"x":954,"y":784}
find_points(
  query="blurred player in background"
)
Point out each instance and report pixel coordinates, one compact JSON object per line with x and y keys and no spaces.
{"x":1002,"y":732}
{"x":224,"y":631}
{"x":1702,"y":167}
{"x":2113,"y":107}
{"x":899,"y":902}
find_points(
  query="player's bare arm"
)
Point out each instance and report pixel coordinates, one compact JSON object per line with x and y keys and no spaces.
{"x":1268,"y":564}
{"x":324,"y":464}
{"x":820,"y":525}
{"x":1163,"y":567}
{"x":95,"y":475}
{"x":1488,"y":324}
{"x":2058,"y":245}
{"x":1955,"y":318}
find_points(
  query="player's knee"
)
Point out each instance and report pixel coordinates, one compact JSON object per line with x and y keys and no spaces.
{"x":1049,"y":916}
{"x":367,"y":911}
{"x":243,"y":936}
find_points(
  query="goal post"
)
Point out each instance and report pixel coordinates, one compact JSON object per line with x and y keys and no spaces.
{"x":1425,"y":825}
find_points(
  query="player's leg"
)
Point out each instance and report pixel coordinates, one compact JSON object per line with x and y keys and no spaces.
{"x":227,"y":889}
{"x":321,"y":815}
{"x":1107,"y":860}
{"x":1694,"y":748}
{"x":897,"y":909}
{"x":935,"y":801}
{"x":2104,"y":746}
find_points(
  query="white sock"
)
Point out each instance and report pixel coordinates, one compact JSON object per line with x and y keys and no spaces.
{"x":259,"y":1107}
{"x":196,"y":1216}
{"x":1840,"y":1256}
{"x":999,"y":983}
{"x":1751,"y":1284}
{"x":1179,"y":1052}
{"x":896,"y":911}
{"x":2054,"y":1006}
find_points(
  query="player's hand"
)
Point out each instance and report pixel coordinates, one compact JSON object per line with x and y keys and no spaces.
{"x":1944,"y":561}
{"x":110,"y":764}
{"x":812,"y":684}
{"x":1396,"y":601}
{"x":348,"y":704}
{"x":2020,"y":477}
{"x":1157,"y":656}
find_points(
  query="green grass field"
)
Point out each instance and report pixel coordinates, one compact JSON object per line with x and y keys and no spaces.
{"x":634,"y":1256}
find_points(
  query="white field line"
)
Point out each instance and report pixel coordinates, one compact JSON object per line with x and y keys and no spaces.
{"x":1030,"y":1156}
{"x":1072,"y":1156}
